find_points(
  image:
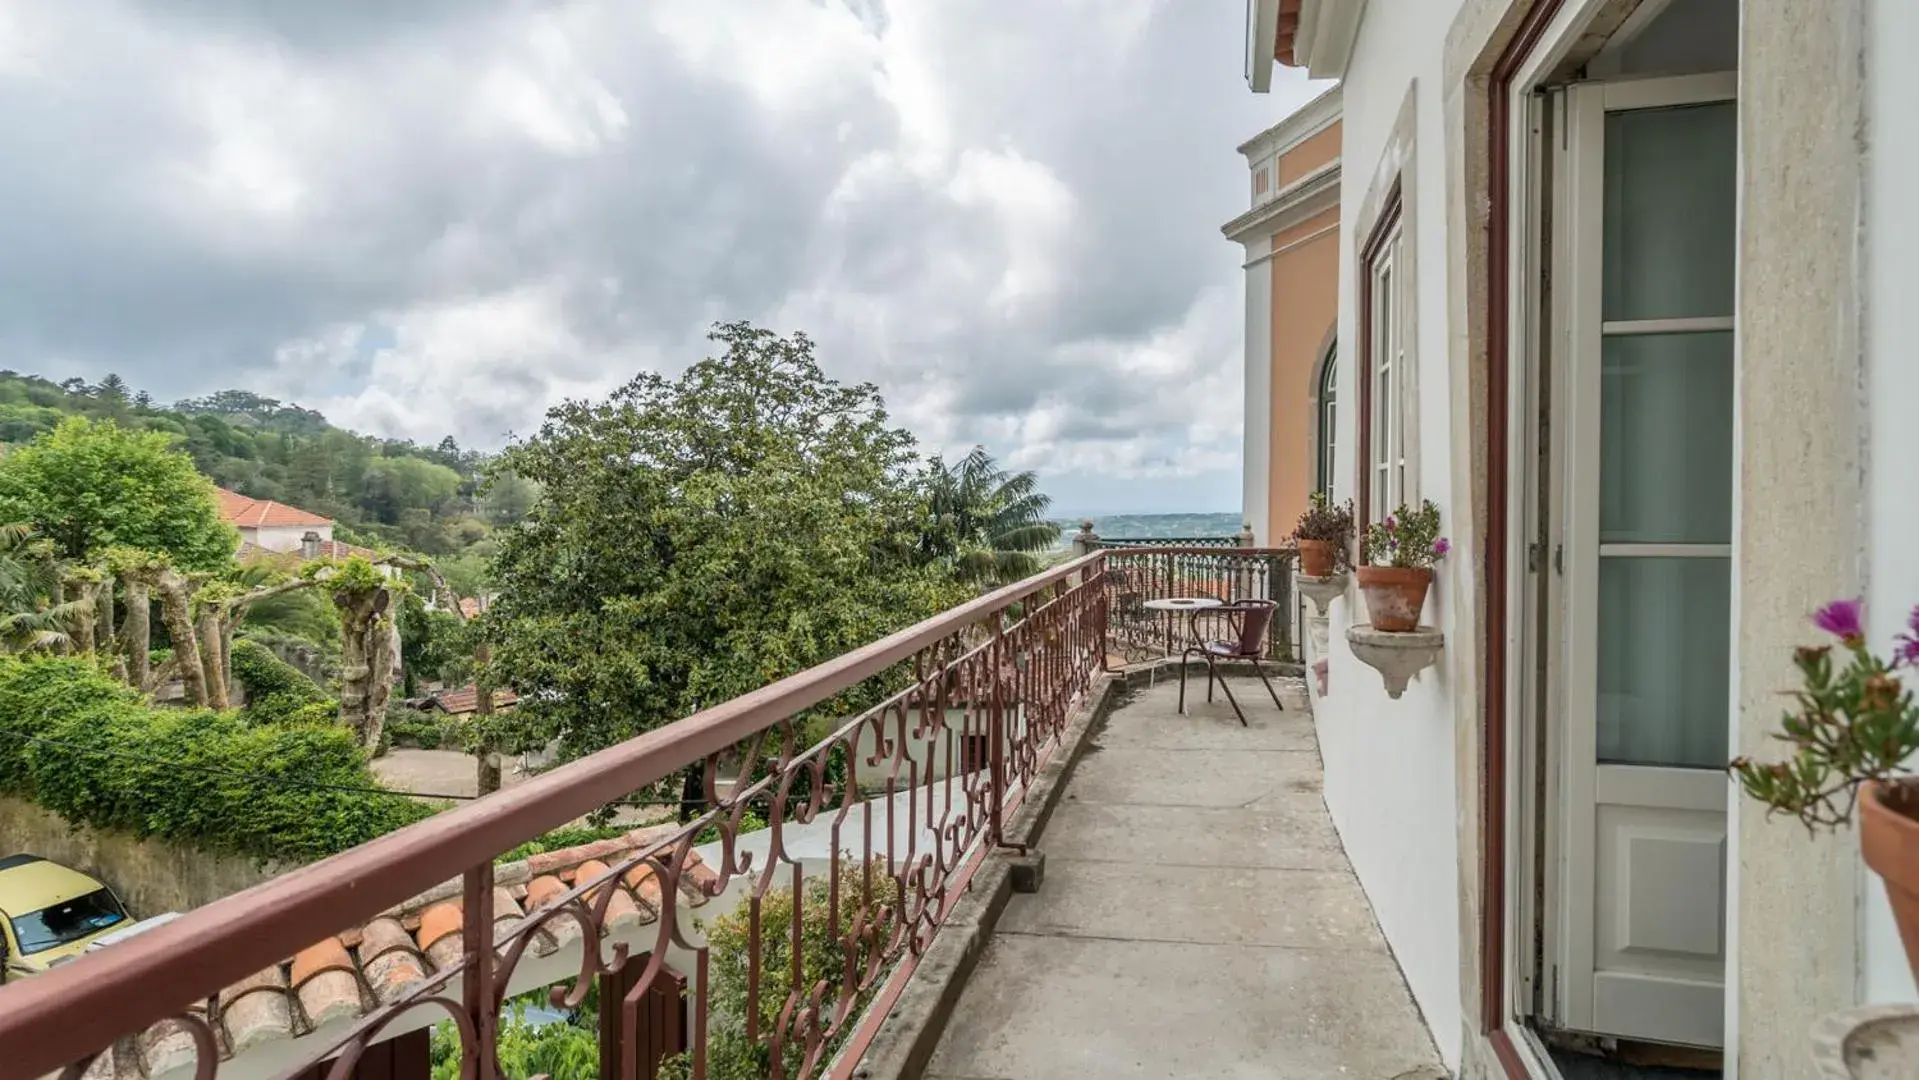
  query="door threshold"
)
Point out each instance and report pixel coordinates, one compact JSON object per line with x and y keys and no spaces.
{"x":1591,"y":1057}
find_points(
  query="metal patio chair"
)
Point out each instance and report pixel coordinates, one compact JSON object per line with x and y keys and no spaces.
{"x":1247,"y":620}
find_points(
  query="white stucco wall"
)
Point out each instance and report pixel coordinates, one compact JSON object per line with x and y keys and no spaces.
{"x":1892,"y":395}
{"x":1389,"y":764}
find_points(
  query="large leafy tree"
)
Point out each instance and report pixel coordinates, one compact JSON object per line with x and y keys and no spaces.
{"x":90,"y":485}
{"x":698,"y":537}
{"x":990,"y":524}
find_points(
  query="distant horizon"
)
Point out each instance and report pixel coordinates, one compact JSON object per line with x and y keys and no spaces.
{"x":1060,"y":515}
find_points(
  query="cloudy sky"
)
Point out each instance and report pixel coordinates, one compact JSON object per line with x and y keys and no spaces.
{"x":426,"y":217}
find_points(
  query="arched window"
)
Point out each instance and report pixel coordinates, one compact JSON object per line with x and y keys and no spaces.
{"x":1328,"y":421}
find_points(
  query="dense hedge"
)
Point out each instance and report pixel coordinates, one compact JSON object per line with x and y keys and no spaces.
{"x":419,"y":730}
{"x":81,"y":745}
{"x":278,"y":692}
{"x":266,"y":675}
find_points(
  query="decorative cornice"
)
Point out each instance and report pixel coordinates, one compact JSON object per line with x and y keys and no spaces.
{"x":1309,"y":195}
{"x":1303,"y":123}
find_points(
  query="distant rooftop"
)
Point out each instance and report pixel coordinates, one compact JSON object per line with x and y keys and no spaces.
{"x":249,"y":513}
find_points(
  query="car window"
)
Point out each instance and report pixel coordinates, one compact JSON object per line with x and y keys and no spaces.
{"x":68,"y":921}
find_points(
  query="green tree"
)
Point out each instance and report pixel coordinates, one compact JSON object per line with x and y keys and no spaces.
{"x":434,"y":644}
{"x":90,"y":485}
{"x":988,"y":523}
{"x":393,"y":485}
{"x":697,"y":538}
{"x":507,"y":497}
{"x":113,"y":395}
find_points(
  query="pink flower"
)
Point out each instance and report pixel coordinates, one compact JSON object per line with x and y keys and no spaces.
{"x":1440,"y":547}
{"x":1843,"y":619}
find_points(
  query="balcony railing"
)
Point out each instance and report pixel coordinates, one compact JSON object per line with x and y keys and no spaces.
{"x":899,"y":804}
{"x":1137,"y":575}
{"x":881,"y":817}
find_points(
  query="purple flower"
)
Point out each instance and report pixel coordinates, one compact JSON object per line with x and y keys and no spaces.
{"x":1440,"y":547}
{"x":1390,"y":523}
{"x":1905,"y":652}
{"x":1843,"y":619}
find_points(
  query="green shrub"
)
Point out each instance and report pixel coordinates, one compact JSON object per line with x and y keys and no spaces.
{"x":267,"y":676}
{"x":558,"y":1050}
{"x":292,"y":710}
{"x":81,"y":745}
{"x":421,"y":730}
{"x":825,"y":958}
{"x":560,"y":839}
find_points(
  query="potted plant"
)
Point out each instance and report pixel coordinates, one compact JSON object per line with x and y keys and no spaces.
{"x":1400,"y":553}
{"x":1852,"y":724}
{"x":1325,"y":537}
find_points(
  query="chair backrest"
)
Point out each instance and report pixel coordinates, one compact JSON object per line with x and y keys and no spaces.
{"x":1253,"y":616}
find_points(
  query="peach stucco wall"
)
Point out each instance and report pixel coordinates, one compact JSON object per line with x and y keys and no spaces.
{"x":1305,"y":307}
{"x":1312,"y":153}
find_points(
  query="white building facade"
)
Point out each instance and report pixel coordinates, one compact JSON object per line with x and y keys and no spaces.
{"x":1625,"y":298}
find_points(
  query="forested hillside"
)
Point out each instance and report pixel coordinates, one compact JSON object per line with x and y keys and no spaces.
{"x":381,"y":491}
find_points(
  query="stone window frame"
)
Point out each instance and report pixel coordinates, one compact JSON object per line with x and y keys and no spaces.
{"x":1389,"y":211}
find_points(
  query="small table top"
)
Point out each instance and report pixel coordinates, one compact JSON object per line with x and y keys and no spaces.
{"x":1181,"y":603}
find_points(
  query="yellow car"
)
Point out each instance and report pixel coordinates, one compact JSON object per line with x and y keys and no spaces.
{"x":50,"y":914}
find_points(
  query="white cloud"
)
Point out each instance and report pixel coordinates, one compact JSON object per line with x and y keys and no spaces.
{"x":1004,"y":213}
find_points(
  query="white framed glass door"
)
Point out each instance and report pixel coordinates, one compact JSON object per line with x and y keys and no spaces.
{"x":1647,"y":259}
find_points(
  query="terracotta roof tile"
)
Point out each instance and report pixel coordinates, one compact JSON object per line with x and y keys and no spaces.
{"x":249,"y":513}
{"x":542,"y":891}
{"x":257,"y":1010}
{"x":341,"y":978}
{"x":327,"y":983}
{"x":392,"y":962}
{"x":437,"y":922}
{"x":466,"y":699}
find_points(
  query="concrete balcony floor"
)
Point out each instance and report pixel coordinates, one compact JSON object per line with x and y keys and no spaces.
{"x":1197,"y":918}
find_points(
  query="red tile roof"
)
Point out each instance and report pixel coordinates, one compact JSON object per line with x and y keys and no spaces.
{"x":344,"y":977}
{"x":247,"y":513}
{"x":1286,"y":35}
{"x":340,"y":549}
{"x":466,"y":699}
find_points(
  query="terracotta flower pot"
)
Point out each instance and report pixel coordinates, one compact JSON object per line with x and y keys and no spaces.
{"x":1316,"y":557}
{"x":1889,"y":840}
{"x":1395,"y":595}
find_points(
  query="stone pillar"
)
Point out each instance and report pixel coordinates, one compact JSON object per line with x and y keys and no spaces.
{"x":1085,"y":542}
{"x":1792,"y":942}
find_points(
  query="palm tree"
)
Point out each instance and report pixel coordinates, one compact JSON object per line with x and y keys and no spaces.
{"x":30,"y":620}
{"x":991,"y":523}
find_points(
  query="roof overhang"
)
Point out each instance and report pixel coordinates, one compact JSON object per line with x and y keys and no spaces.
{"x":1316,"y":35}
{"x":1262,"y":25}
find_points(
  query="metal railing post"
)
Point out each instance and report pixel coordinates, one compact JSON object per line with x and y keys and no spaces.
{"x":478,"y":996}
{"x":996,"y":737}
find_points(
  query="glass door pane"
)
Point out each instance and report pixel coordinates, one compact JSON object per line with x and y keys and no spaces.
{"x":1671,"y":189}
{"x":1664,"y":655}
{"x":1666,"y":435}
{"x":1665,"y":472}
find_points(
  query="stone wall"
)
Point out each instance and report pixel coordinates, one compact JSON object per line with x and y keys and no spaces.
{"x":150,"y":876}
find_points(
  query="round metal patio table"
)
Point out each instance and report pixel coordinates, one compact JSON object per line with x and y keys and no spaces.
{"x":1191,"y":605}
